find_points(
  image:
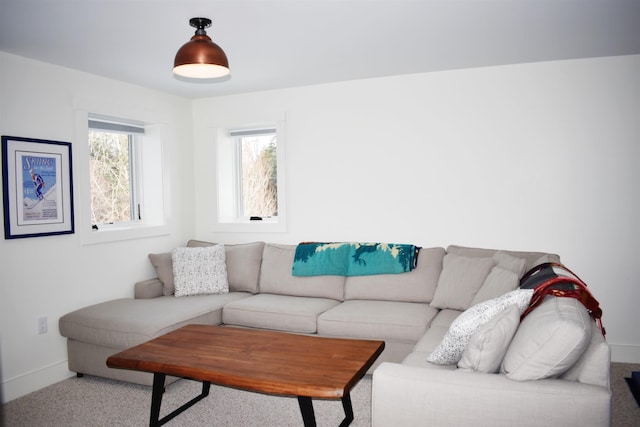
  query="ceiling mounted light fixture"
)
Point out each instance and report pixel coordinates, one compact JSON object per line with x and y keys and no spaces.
{"x":201,"y":58}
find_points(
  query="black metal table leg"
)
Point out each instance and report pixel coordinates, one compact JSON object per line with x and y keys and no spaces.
{"x":306,"y":407}
{"x":156,"y":398}
{"x":348,"y":410}
{"x":156,"y":401}
{"x":309,"y":417}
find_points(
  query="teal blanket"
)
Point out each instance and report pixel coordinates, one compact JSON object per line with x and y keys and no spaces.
{"x":353,"y":259}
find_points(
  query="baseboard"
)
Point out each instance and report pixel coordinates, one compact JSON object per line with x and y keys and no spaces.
{"x":625,"y":353}
{"x":29,"y":382}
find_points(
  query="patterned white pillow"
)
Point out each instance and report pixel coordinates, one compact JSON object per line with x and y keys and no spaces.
{"x":200,"y":270}
{"x":455,"y":341}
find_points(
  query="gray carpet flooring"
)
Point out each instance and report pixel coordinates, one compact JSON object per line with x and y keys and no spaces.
{"x":91,"y":401}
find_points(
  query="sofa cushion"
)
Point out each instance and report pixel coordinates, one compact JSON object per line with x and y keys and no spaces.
{"x":164,"y":270}
{"x":276,"y":278}
{"x":437,"y":330}
{"x":450,"y":349}
{"x":277,"y":312}
{"x":123,"y":323}
{"x":489,"y":343}
{"x":460,"y":280}
{"x":593,"y":365}
{"x":418,"y":285}
{"x":509,"y":262}
{"x":532,"y":258}
{"x":199,"y":271}
{"x":384,"y":320}
{"x":243,"y":266}
{"x":549,"y":340}
{"x":498,"y":282}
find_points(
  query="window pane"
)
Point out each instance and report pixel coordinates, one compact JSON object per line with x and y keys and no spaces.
{"x":259,"y":175}
{"x":110,"y":177}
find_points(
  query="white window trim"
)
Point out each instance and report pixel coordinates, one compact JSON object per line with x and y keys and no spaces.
{"x":240,"y":225}
{"x":122,"y":231}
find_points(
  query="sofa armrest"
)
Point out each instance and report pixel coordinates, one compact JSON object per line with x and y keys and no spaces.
{"x":411,"y":396}
{"x":146,"y":289}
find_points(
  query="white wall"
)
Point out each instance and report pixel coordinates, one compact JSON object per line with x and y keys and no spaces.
{"x":531,"y":157}
{"x":525,"y":157}
{"x":50,"y":276}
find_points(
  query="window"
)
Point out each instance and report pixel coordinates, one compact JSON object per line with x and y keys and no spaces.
{"x":257,"y":176}
{"x":123,"y":195}
{"x":251,"y":178}
{"x":114,"y":171}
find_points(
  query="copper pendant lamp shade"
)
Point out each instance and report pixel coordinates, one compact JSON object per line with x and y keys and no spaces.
{"x":201,"y":58}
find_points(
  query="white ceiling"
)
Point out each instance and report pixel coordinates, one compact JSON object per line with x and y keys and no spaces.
{"x":283,"y":43}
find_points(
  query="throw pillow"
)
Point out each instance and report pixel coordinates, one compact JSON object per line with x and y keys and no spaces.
{"x":164,"y":269}
{"x":460,"y":280}
{"x":510,"y":262}
{"x":200,"y":271}
{"x":450,"y":349}
{"x":498,"y":282}
{"x":489,"y":343}
{"x":549,"y":340}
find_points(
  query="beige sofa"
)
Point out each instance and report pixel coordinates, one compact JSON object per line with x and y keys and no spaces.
{"x":411,"y":312}
{"x":550,"y":369}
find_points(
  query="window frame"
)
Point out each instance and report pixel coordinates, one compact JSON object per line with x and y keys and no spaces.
{"x":153,"y":194}
{"x":229,"y":185}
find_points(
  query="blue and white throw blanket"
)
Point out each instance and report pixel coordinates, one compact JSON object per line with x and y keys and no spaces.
{"x":353,"y":259}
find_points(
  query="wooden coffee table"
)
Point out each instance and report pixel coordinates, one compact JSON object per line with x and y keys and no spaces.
{"x":254,"y":360}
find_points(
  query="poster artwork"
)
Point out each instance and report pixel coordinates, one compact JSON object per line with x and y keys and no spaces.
{"x":40,"y":176}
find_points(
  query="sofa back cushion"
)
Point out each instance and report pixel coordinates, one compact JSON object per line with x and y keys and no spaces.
{"x":417,"y":285}
{"x":243,"y":264}
{"x":532,"y":258}
{"x":460,"y":280}
{"x":276,"y":277}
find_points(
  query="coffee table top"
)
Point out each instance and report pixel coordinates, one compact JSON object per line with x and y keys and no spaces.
{"x":256,"y":360}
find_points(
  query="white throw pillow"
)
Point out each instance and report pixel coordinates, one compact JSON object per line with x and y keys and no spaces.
{"x":549,"y":340}
{"x":455,"y":341}
{"x":489,"y":343}
{"x":460,"y":280}
{"x":200,"y":271}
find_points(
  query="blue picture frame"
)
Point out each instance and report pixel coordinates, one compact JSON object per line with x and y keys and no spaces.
{"x":37,"y":187}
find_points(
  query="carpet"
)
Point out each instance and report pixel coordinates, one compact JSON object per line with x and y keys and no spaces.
{"x":92,"y":401}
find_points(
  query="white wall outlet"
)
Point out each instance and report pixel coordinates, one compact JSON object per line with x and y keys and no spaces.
{"x":42,"y":325}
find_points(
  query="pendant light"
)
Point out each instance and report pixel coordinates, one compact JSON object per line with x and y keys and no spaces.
{"x":201,"y":58}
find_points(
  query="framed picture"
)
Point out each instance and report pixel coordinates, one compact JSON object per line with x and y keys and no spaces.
{"x":37,"y":185}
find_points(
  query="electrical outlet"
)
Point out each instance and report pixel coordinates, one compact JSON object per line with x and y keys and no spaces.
{"x":42,"y":325}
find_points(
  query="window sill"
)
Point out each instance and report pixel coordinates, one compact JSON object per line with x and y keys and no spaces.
{"x":119,"y":233}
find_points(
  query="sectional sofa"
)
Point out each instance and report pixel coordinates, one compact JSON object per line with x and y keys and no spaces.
{"x":424,"y":373}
